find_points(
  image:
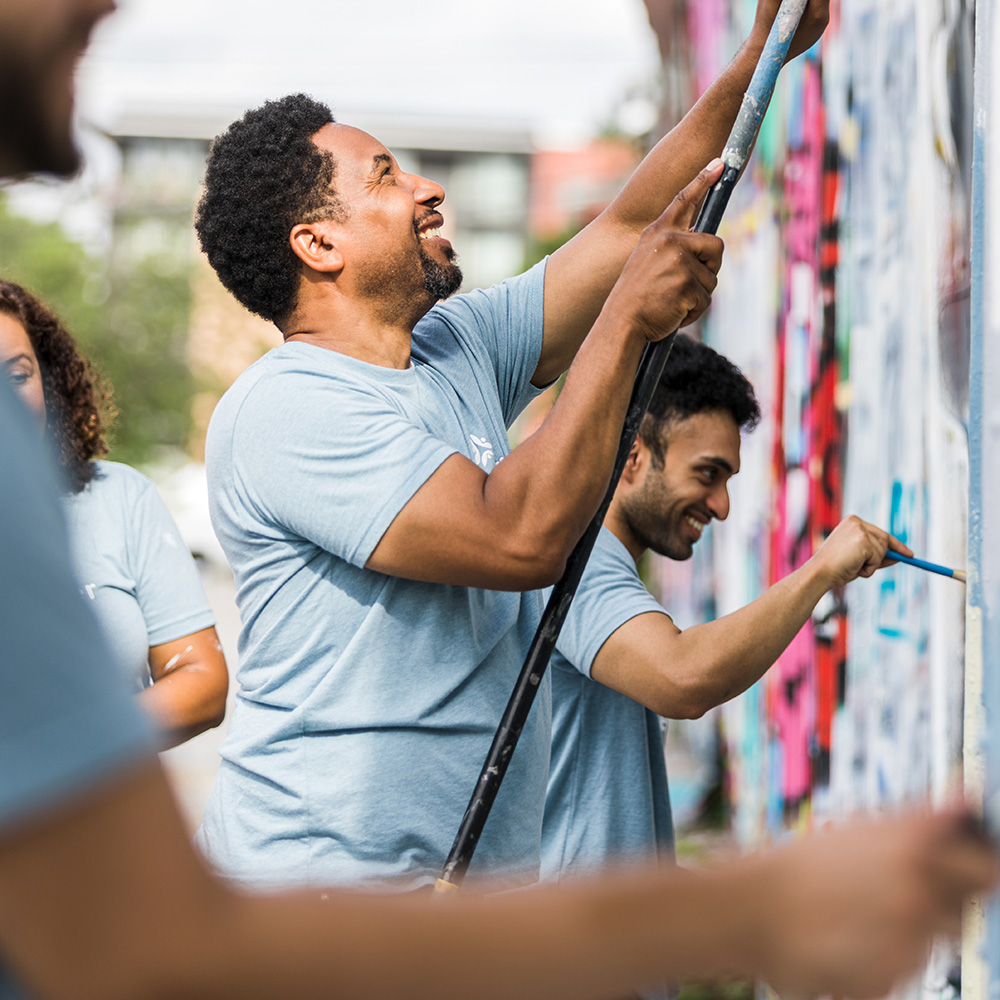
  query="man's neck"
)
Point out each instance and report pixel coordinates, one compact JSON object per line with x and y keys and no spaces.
{"x":618,"y":526}
{"x":355,"y":329}
{"x":379,"y":349}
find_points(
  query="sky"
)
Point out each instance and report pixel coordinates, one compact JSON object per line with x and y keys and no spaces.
{"x":558,"y":66}
{"x":556,"y":69}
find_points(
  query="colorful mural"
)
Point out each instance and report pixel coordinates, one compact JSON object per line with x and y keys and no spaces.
{"x":845,"y":297}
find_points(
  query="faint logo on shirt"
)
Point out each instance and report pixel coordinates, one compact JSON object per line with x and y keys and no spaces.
{"x":482,"y":452}
{"x":89,"y":589}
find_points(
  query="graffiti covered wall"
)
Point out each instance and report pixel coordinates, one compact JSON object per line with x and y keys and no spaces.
{"x":846,"y":299}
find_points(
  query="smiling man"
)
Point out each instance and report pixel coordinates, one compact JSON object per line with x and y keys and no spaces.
{"x":621,"y":663}
{"x":379,"y":544}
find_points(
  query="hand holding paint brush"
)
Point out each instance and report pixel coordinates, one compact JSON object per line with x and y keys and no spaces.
{"x":855,"y":549}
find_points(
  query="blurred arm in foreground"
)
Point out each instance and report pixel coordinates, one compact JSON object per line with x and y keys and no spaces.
{"x":91,"y":891}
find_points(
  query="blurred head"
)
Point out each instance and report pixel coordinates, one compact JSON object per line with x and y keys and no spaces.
{"x":41,"y":42}
{"x":676,"y":480}
{"x":290,"y":193}
{"x":40,"y":361}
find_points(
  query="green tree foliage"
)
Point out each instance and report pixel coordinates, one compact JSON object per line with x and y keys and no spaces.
{"x":129,"y":316}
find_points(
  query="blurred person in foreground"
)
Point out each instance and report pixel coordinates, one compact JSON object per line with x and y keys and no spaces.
{"x":102,"y":896}
{"x":130,"y":559}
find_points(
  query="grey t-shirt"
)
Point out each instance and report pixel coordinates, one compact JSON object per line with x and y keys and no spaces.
{"x":66,"y":719}
{"x":607,"y":796}
{"x":367,"y":702}
{"x":132,"y":563}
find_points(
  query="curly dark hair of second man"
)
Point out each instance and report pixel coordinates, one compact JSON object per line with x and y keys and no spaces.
{"x":75,"y":396}
{"x":697,"y":379}
{"x":264,"y":175}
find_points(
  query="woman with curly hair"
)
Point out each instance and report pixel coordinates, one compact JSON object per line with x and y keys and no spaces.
{"x":129,"y":557}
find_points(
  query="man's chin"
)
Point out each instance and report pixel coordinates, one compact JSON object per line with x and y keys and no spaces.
{"x":33,"y":149}
{"x":63,"y":164}
{"x":441,"y":280}
{"x":673,"y":550}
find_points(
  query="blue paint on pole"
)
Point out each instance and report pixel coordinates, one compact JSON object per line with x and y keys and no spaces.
{"x":984,"y":470}
{"x":765,"y":76}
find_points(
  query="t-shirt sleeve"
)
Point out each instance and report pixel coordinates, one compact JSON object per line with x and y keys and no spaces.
{"x":168,"y":587}
{"x":507,"y":321}
{"x":66,"y":719}
{"x":332,"y":462}
{"x":609,"y":595}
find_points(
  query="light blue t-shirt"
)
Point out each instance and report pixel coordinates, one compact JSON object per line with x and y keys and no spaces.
{"x":367,"y":703}
{"x":132,"y":563}
{"x":607,"y":797}
{"x":66,"y":720}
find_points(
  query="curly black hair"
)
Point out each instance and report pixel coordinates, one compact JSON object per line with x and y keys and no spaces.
{"x":264,"y":175}
{"x":78,"y":402}
{"x":696,"y":380}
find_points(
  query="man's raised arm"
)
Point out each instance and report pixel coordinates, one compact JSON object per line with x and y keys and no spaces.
{"x":581,"y":273}
{"x":514,"y":528}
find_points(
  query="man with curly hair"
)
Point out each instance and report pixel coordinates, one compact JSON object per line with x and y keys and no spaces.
{"x":357,"y":488}
{"x":620,"y":663}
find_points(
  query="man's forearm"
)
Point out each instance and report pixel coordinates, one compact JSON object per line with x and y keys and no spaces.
{"x":686,"y":148}
{"x":724,"y":657}
{"x":582,"y":273}
{"x":703,"y":131}
{"x":585,"y":942}
{"x":105,"y":899}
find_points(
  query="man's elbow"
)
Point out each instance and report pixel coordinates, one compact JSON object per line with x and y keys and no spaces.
{"x":537,"y":571}
{"x":680,"y":699}
{"x":534,"y":562}
{"x":680,"y":708}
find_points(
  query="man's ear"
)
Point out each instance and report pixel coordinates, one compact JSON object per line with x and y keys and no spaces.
{"x":636,"y":463}
{"x":315,"y":245}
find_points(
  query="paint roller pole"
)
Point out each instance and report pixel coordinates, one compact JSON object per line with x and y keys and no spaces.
{"x":654,"y":359}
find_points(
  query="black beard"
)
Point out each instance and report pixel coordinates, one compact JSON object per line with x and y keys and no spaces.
{"x":34,"y":136}
{"x":34,"y":144}
{"x":641,"y":513}
{"x":441,"y":281}
{"x":403,"y":293}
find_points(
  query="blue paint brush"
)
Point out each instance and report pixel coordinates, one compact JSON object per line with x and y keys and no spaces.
{"x":955,"y":574}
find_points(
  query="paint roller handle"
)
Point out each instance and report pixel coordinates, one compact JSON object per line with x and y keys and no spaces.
{"x":752,"y":110}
